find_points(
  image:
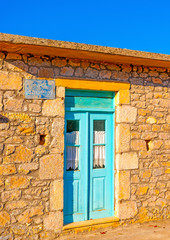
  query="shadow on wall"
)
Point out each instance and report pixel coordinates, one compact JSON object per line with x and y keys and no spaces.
{"x":3,"y":119}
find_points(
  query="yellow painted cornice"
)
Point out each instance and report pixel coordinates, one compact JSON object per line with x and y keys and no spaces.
{"x":92,"y":85}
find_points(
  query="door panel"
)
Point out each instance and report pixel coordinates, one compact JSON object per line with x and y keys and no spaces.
{"x":98,"y":188}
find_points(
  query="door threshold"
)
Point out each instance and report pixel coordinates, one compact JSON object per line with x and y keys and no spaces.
{"x":89,"y":223}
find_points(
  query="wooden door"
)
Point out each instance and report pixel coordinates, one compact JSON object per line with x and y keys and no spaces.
{"x":88,"y":168}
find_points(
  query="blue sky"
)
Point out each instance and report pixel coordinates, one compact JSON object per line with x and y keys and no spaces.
{"x":138,"y":25}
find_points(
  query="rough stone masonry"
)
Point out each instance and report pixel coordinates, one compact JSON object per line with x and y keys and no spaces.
{"x":32,"y":143}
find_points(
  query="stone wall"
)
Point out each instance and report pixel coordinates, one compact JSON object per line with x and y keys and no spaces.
{"x":32,"y":144}
{"x":143,"y":153}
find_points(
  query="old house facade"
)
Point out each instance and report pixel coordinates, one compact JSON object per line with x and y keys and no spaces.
{"x":96,"y":153}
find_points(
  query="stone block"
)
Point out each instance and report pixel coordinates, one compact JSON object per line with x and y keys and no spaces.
{"x":36,"y":211}
{"x":60,"y":92}
{"x":56,"y":195}
{"x":25,"y":168}
{"x":15,"y":182}
{"x":45,"y":72}
{"x":156,"y":128}
{"x":145,"y":127}
{"x":1,"y":104}
{"x":122,"y":97}
{"x":157,"y":172}
{"x":122,"y":138}
{"x":19,"y":204}
{"x":48,"y":235}
{"x":14,"y":105}
{"x":167,"y":144}
{"x":124,"y":185}
{"x":142,"y":190}
{"x":59,"y":62}
{"x":164,"y":136}
{"x":122,"y":76}
{"x":138,"y":145}
{"x":42,"y":121}
{"x":11,"y":81}
{"x":151,"y":120}
{"x":10,"y":149}
{"x":91,"y":73}
{"x":165,"y":103}
{"x":2,"y":56}
{"x":4,"y":218}
{"x":74,"y":62}
{"x":21,"y":155}
{"x":168,"y":119}
{"x":126,"y":114}
{"x":24,"y":217}
{"x":37,"y":229}
{"x":35,"y":61}
{"x":155,"y":144}
{"x":33,"y":70}
{"x":57,"y":127}
{"x":7,"y":169}
{"x":85,"y":64}
{"x":41,"y":150}
{"x":36,"y":108}
{"x":51,"y":167}
{"x":1,"y":148}
{"x":14,"y":140}
{"x":112,"y":66}
{"x":53,"y":221}
{"x":1,"y":182}
{"x":53,"y":108}
{"x":135,"y":135}
{"x":167,"y":195}
{"x":127,"y":209}
{"x":67,"y":71}
{"x":149,"y":135}
{"x":26,"y":129}
{"x":10,"y":195}
{"x":145,"y":173}
{"x":19,"y":229}
{"x":161,"y":202}
{"x":105,"y":74}
{"x":79,"y":72}
{"x":134,"y":179}
{"x":126,"y":161}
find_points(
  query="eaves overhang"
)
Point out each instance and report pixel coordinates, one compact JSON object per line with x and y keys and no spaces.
{"x":45,"y":47}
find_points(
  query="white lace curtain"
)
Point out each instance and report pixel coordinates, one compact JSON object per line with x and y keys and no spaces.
{"x":72,"y":158}
{"x":99,"y":151}
{"x":72,"y":152}
{"x":72,"y":137}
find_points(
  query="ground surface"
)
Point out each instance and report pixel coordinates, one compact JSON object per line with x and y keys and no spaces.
{"x":157,"y":230}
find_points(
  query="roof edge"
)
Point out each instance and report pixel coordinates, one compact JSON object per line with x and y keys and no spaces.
{"x":21,"y":41}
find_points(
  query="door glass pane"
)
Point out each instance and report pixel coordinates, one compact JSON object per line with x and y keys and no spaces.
{"x":72,"y":134}
{"x":99,"y":131}
{"x":72,"y":140}
{"x":99,"y":144}
{"x":98,"y":156}
{"x":72,"y":156}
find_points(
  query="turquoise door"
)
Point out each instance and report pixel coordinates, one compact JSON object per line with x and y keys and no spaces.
{"x":88,"y":168}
